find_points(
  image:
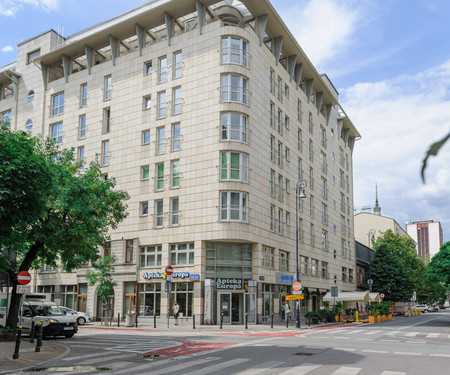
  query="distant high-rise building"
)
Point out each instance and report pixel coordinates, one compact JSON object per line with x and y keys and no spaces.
{"x":428,"y":236}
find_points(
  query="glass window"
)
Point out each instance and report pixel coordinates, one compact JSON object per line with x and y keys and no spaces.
{"x":150,"y":256}
{"x":234,"y":166}
{"x":159,"y":213}
{"x":161,"y":104}
{"x":182,"y":253}
{"x":314,"y":269}
{"x":177,"y":64}
{"x":58,"y":104}
{"x":106,"y":120}
{"x":160,"y":176}
{"x":80,"y":156}
{"x":176,"y":137}
{"x":129,"y":251}
{"x":69,"y":296}
{"x":234,"y":51}
{"x":147,"y":102}
{"x":183,"y":293}
{"x":148,"y":68}
{"x":47,"y":289}
{"x":324,"y":240}
{"x":284,"y":260}
{"x":83,"y":95}
{"x":162,"y":69}
{"x":175,"y":174}
{"x":33,"y":55}
{"x":82,"y":127}
{"x":174,"y":212}
{"x":325,"y":270}
{"x":268,"y":256}
{"x":272,"y":183}
{"x":177,"y":101}
{"x":150,"y":299}
{"x":57,"y":133}
{"x":29,"y":125}
{"x":144,"y":208}
{"x":233,"y":206}
{"x":160,"y":140}
{"x":234,"y":89}
{"x":108,"y":87}
{"x":271,"y":81}
{"x":105,"y":153}
{"x":234,"y":127}
{"x":146,"y":137}
{"x":272,"y":114}
{"x":145,"y":172}
{"x":30,"y":95}
{"x":272,"y":218}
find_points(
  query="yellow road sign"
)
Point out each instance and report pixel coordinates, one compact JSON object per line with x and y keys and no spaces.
{"x":298,"y":296}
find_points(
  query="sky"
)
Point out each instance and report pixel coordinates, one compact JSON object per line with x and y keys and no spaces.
{"x":389,"y":60}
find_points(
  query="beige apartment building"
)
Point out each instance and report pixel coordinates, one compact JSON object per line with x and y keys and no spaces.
{"x":428,"y":236}
{"x":208,"y":115}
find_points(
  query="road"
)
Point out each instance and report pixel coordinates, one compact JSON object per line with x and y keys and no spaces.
{"x":416,"y":345}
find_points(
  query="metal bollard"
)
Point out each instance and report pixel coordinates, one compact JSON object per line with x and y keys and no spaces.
{"x":118,"y":320}
{"x":32,"y":332}
{"x":246,"y":320}
{"x":136,"y":321}
{"x":39,"y":337}
{"x":221,"y":320}
{"x":287,"y":321}
{"x":271,"y":323}
{"x":193,"y":321}
{"x":16,"y":349}
{"x":154,"y":320}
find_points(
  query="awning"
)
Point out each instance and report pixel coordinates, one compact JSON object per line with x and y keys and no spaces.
{"x":348,"y":297}
{"x":374,"y":297}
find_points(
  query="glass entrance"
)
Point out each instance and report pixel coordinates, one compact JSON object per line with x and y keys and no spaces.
{"x":225,"y":307}
{"x":234,"y":306}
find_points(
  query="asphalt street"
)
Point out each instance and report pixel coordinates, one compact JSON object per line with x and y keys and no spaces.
{"x":417,"y":345}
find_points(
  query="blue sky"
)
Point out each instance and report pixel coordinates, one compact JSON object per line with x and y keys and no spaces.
{"x":389,"y":60}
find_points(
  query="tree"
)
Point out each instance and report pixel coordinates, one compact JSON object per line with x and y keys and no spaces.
{"x":78,"y":210}
{"x":102,"y":275}
{"x":389,"y":276}
{"x":439,"y":267}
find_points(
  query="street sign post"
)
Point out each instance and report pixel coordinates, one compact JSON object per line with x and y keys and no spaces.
{"x":169,"y":270}
{"x":294,"y":297}
{"x":23,"y":289}
{"x":23,"y":277}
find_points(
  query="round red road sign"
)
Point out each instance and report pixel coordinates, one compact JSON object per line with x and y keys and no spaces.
{"x":382,"y":295}
{"x":169,"y":270}
{"x":297,"y":286}
{"x":23,"y":277}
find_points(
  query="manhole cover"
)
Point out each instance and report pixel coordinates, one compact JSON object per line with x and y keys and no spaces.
{"x":72,"y":369}
{"x":304,"y":354}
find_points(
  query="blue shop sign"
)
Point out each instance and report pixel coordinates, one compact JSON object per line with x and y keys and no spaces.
{"x":284,"y":279}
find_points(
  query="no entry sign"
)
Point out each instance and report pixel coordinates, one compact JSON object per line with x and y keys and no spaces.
{"x":23,"y":277}
{"x":169,"y":270}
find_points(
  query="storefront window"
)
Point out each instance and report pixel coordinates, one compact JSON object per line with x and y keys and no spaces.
{"x":47,"y":289}
{"x":68,"y":296}
{"x":82,"y":297}
{"x":267,"y":299}
{"x":150,"y":299}
{"x":183,"y":293}
{"x":129,"y":295}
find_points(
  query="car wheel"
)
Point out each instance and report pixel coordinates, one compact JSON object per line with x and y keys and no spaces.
{"x":81,"y":321}
{"x":68,"y":336}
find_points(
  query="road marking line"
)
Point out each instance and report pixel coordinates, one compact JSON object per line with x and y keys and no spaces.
{"x":346,"y":349}
{"x":342,"y":338}
{"x":392,"y":333}
{"x":390,"y":340}
{"x":352,"y":332}
{"x":262,"y":370}
{"x":433,"y":334}
{"x":300,"y":370}
{"x":440,"y":355}
{"x":211,"y":369}
{"x":407,"y":353}
{"x":372,"y":332}
{"x":392,"y":373}
{"x":412,"y":334}
{"x":364,"y":339}
{"x":346,"y":371}
{"x":374,"y":351}
{"x":416,"y":342}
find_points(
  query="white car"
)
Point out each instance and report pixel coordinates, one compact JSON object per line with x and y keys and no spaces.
{"x":422,"y":308}
{"x":81,"y":317}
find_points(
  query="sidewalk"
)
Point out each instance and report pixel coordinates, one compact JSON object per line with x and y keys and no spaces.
{"x":27,"y":356}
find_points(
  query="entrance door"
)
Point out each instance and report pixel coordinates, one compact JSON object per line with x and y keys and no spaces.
{"x":225,"y":308}
{"x":237,"y":308}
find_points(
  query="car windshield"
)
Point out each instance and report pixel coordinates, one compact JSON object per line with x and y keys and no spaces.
{"x":47,"y":310}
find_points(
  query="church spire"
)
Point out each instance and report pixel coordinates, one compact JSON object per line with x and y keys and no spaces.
{"x":377,"y":208}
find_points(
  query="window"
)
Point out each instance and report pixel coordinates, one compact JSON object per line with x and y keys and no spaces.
{"x":299,"y":140}
{"x":272,"y":218}
{"x":271,"y":81}
{"x":311,"y":150}
{"x":129,"y":251}
{"x":145,"y":172}
{"x":6,"y":117}
{"x":80,"y":156}
{"x":30,"y":96}
{"x":323,"y":137}
{"x":82,"y":127}
{"x":325,"y":240}
{"x":159,"y":213}
{"x":310,"y":123}
{"x":314,"y":269}
{"x":311,"y":178}
{"x":343,"y":229}
{"x":300,"y":168}
{"x":272,"y":148}
{"x":279,"y":126}
{"x":69,"y":296}
{"x":162,"y":69}
{"x":161,"y":104}
{"x":280,"y":188}
{"x":324,"y":214}
{"x":286,"y":153}
{"x":341,"y":180}
{"x":146,"y":137}
{"x":174,"y":212}
{"x":56,"y":131}
{"x":234,"y":51}
{"x":343,"y":251}
{"x":311,"y":206}
{"x":286,"y":122}
{"x":311,"y":235}
{"x":182,"y":253}
{"x":323,"y":162}
{"x":233,"y":206}
{"x":272,"y":114}
{"x":177,"y":64}
{"x":342,"y":202}
{"x":283,"y":260}
{"x":280,"y":221}
{"x":147,"y":102}
{"x":105,"y":153}
{"x":29,"y":124}
{"x":304,"y":265}
{"x":183,"y":293}
{"x":160,"y":176}
{"x":299,"y":111}
{"x":323,"y":188}
{"x":83,"y":95}
{"x":341,"y":156}
{"x":234,"y":89}
{"x":176,"y":101}
{"x":160,"y":140}
{"x":344,"y":274}
{"x":58,"y":104}
{"x":300,"y":230}
{"x":234,"y":127}
{"x":234,"y":166}
{"x":144,"y":208}
{"x":106,"y":249}
{"x":324,"y":271}
{"x":350,"y":275}
{"x":279,"y":90}
{"x":267,"y":256}
{"x":33,"y":55}
{"x":106,"y":120}
{"x":286,"y":91}
{"x":176,"y":137}
{"x":148,"y":66}
{"x":150,"y":256}
{"x":272,"y":183}
{"x":280,"y":154}
{"x":175,"y":174}
{"x":108,"y":87}
{"x":48,"y":289}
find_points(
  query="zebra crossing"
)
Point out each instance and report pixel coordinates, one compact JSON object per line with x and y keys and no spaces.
{"x":361,"y":333}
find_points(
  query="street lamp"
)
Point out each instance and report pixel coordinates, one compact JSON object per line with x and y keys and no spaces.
{"x":371,"y":236}
{"x":299,"y":194}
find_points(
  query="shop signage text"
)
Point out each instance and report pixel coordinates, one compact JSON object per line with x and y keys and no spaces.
{"x":229,"y":284}
{"x":284,"y":279}
{"x":175,"y":275}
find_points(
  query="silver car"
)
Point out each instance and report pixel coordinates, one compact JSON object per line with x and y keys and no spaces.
{"x":81,"y":317}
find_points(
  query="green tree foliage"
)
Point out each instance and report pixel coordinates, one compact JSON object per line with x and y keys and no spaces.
{"x":439,"y":267}
{"x":433,"y":151}
{"x":74,"y":212}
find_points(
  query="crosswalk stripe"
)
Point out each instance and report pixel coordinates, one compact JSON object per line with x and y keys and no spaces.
{"x":433,"y":335}
{"x":407,"y":353}
{"x":262,"y":370}
{"x":393,"y":373}
{"x":346,"y":371}
{"x":412,"y":334}
{"x":211,"y":369}
{"x":372,"y":332}
{"x":352,"y":332}
{"x":393,"y":333}
{"x":300,"y":370}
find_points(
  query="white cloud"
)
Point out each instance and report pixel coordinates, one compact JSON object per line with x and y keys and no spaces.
{"x":323,"y":28}
{"x":399,"y":119}
{"x":9,"y":8}
{"x":7,"y":49}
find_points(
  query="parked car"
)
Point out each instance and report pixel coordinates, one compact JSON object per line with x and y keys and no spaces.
{"x":81,"y":317}
{"x":422,"y":308}
{"x":433,"y":308}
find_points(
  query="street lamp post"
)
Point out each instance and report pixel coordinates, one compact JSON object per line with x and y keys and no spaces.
{"x":299,"y":194}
